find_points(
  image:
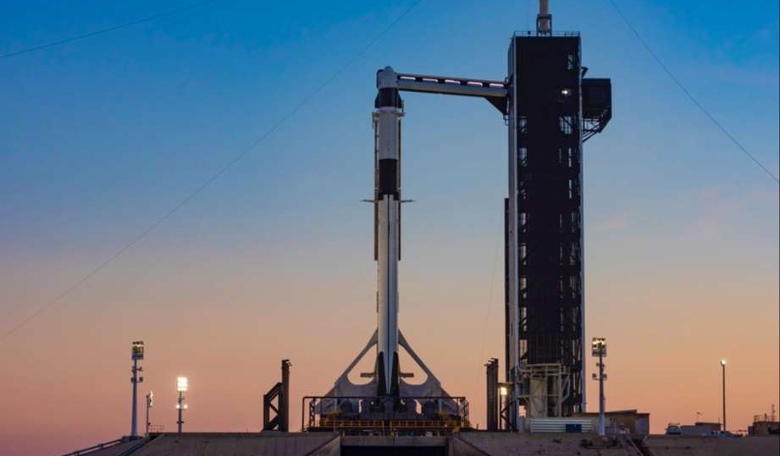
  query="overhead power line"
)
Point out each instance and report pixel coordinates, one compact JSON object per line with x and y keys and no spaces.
{"x":106,"y":30}
{"x":489,"y":304}
{"x":210,"y":180}
{"x":689,"y":95}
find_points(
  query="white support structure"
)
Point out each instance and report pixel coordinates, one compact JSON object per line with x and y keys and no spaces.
{"x":543,"y":388}
{"x":344,"y":387}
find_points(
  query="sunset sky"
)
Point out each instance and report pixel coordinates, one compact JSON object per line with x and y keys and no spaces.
{"x":104,"y":136}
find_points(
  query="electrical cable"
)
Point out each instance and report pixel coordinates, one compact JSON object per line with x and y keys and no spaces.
{"x":489,"y":302}
{"x":688,"y":93}
{"x":106,"y":30}
{"x":213,"y":178}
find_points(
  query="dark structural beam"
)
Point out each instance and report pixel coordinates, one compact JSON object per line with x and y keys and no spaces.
{"x":276,"y":403}
{"x":492,"y":394}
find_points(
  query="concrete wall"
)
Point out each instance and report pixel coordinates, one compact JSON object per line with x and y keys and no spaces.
{"x":672,"y":445}
{"x":524,"y":444}
{"x":637,"y":423}
{"x":463,"y":444}
{"x":116,"y":449}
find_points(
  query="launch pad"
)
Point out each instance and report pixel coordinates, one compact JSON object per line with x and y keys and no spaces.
{"x":550,"y":110}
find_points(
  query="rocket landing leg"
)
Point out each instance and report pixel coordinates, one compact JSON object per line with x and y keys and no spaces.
{"x":423,"y":401}
{"x":426,"y":400}
{"x":344,"y":387}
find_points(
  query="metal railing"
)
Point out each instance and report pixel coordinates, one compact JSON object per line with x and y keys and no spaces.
{"x":441,"y":414}
{"x":98,"y":447}
{"x":535,"y":33}
{"x":156,"y":428}
{"x":764,"y":417}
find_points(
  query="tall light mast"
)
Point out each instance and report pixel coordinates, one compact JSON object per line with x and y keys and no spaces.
{"x":136,"y":354}
{"x":599,"y":350}
{"x":181,"y":387}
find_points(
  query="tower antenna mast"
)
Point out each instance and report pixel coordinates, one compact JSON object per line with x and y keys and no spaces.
{"x":544,"y":18}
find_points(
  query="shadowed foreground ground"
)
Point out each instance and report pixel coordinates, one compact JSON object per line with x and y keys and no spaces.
{"x":463,"y":444}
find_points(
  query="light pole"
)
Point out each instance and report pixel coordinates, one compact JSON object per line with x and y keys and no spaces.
{"x":181,"y":387}
{"x":136,"y":354}
{"x":599,"y":349}
{"x":149,"y":404}
{"x":723,"y":370}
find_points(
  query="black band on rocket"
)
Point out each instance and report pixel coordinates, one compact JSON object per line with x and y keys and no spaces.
{"x":388,"y":177}
{"x":388,"y":98}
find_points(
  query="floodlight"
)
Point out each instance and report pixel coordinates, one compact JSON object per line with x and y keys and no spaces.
{"x":723,"y":362}
{"x":137,"y":351}
{"x":503,"y":391}
{"x":599,"y":347}
{"x":181,"y":384}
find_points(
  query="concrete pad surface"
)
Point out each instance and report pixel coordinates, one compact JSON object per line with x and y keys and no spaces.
{"x":241,"y":444}
{"x":674,"y":445}
{"x":525,"y":444}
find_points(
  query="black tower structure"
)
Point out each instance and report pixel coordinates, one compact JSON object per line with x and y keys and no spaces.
{"x":553,"y":110}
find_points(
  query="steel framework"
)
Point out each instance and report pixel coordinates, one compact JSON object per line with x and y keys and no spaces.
{"x":373,"y":415}
{"x":276,"y":403}
{"x":550,"y":110}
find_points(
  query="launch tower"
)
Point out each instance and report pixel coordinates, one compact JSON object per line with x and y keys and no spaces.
{"x":550,"y":110}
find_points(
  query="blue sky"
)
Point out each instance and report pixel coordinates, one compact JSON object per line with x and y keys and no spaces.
{"x":132,"y":121}
{"x":105,"y":135}
{"x":102,"y":137}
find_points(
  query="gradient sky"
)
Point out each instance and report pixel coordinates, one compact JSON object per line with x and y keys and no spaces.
{"x":102,"y":137}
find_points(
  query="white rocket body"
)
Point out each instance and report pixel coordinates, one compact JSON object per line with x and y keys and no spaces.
{"x":387,"y":198}
{"x":387,"y":285}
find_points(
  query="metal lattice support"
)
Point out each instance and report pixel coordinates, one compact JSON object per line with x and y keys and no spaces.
{"x":276,"y":403}
{"x":552,"y":110}
{"x":492,"y":394}
{"x":543,"y":389}
{"x":383,"y":415}
{"x":549,"y":209}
